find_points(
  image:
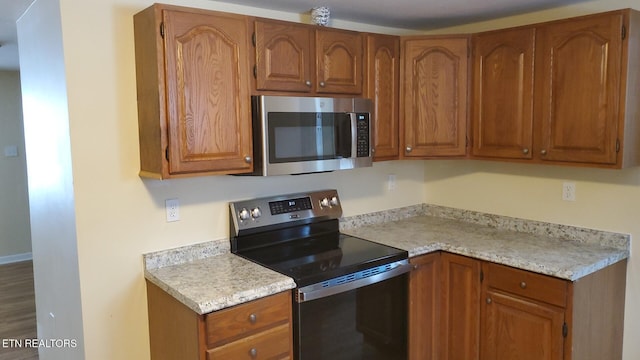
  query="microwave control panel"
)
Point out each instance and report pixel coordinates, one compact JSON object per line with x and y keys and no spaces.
{"x":362,"y":134}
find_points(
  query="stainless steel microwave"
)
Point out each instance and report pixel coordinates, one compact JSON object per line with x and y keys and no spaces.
{"x":299,"y":135}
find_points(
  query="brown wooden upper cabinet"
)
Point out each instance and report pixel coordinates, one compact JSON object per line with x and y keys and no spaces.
{"x":559,"y":92}
{"x":587,"y":67}
{"x":502,"y":102}
{"x":383,"y":87}
{"x":433,"y":118}
{"x":193,"y":92}
{"x":293,"y":57}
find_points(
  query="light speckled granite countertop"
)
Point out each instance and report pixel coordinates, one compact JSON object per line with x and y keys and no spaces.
{"x":207,"y":277}
{"x":558,"y":250}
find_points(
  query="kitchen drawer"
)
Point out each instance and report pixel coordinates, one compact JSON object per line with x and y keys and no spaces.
{"x":526,"y":284}
{"x":270,"y":344}
{"x":243,"y":320}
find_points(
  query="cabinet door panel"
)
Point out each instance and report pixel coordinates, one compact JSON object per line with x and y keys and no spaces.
{"x":580,"y":87}
{"x":383,"y":57}
{"x":435,"y":95}
{"x":283,"y":56}
{"x":460,"y":307}
{"x":502,"y":114}
{"x":208,"y":92}
{"x":340,"y":62}
{"x":424,"y":307}
{"x":514,"y":328}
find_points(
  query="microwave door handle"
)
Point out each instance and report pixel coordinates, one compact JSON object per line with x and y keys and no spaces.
{"x":354,"y":135}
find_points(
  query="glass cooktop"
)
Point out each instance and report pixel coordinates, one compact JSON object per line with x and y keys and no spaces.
{"x":319,"y":258}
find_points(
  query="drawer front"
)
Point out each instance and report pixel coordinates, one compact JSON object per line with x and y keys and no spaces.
{"x":270,"y":344}
{"x":527,"y":284}
{"x":247,"y":319}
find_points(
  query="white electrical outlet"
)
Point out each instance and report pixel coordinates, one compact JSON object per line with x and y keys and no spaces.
{"x":173,"y":209}
{"x":568,"y":191}
{"x":391,"y":182}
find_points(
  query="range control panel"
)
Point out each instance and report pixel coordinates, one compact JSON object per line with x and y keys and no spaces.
{"x":268,"y":211}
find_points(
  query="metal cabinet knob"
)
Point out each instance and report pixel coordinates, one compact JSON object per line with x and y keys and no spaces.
{"x":523,"y":285}
{"x":525,"y":151}
{"x":488,"y":300}
{"x":247,"y":159}
{"x":253,"y":318}
{"x":253,"y":352}
{"x":308,"y":83}
{"x":409,"y":148}
{"x":322,"y":84}
{"x":543,"y":152}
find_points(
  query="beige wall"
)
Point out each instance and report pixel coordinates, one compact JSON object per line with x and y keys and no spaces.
{"x":119,"y":216}
{"x":15,"y":236}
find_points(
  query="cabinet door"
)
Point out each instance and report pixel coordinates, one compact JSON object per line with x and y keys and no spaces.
{"x":434,"y":115}
{"x":502,"y":115}
{"x":424,"y":307}
{"x":339,"y":61}
{"x":459,"y":326}
{"x":283,"y":56}
{"x":516,"y":328}
{"x":207,"y":92}
{"x":579,"y":64}
{"x":383,"y":85}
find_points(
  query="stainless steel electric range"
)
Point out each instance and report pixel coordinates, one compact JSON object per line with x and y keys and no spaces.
{"x":351,"y":296}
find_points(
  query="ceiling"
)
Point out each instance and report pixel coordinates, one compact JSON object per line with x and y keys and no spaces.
{"x":409,"y":14}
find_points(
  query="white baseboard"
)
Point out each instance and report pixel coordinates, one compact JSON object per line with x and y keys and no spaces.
{"x":15,"y":258}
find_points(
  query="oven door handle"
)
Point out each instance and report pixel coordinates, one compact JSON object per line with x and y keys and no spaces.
{"x":320,"y":290}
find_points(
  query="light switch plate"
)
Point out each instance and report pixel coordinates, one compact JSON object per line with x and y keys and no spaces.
{"x":11,"y":151}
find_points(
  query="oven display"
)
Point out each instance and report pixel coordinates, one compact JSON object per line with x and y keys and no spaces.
{"x":290,"y":205}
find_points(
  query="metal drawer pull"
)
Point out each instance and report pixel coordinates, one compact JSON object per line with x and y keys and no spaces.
{"x":253,"y":352}
{"x":525,"y":151}
{"x":523,"y":285}
{"x":488,"y":300}
{"x":253,"y":318}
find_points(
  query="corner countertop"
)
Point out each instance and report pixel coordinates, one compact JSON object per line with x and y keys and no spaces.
{"x":206,"y":277}
{"x":564,"y":258}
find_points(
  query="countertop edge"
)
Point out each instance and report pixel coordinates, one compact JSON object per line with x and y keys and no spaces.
{"x":565,"y":274}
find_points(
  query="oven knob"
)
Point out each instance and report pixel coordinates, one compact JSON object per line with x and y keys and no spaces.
{"x":256,"y":213}
{"x":244,"y":214}
{"x":334,"y":201}
{"x":324,"y":203}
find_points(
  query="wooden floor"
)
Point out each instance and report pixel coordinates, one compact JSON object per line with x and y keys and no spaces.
{"x":17,"y":310}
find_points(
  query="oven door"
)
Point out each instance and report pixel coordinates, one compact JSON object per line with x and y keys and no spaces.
{"x":369,"y":322}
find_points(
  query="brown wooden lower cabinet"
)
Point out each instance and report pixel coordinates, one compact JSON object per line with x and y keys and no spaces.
{"x":460,"y":310}
{"x":464,"y":308}
{"x":260,"y":329}
{"x":424,"y":307}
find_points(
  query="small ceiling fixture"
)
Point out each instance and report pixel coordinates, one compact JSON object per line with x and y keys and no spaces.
{"x":320,"y":15}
